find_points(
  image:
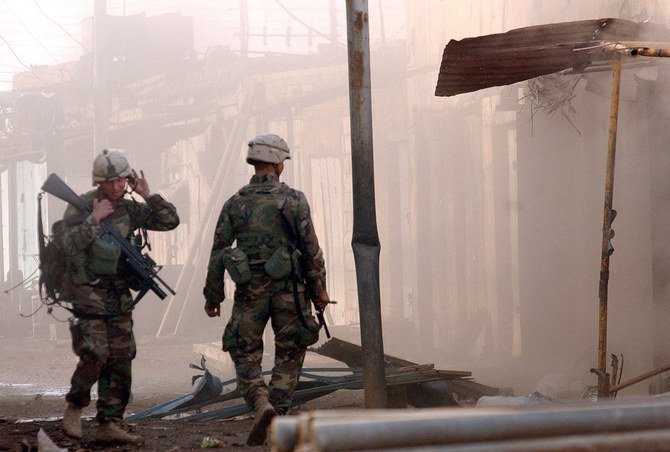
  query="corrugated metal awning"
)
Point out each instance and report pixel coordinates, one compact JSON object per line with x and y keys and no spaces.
{"x":504,"y":58}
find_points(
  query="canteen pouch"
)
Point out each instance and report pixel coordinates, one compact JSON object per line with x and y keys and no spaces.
{"x":104,"y":257}
{"x":237,"y":264}
{"x":308,"y":335}
{"x":278,"y":266}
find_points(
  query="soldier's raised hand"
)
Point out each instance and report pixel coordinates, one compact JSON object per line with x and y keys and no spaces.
{"x":101,"y":210}
{"x":139,"y":184}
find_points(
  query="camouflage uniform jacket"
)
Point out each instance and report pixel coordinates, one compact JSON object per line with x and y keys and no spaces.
{"x":80,"y":240}
{"x":252,"y":217}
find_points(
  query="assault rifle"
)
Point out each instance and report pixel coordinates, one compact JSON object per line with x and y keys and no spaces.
{"x":141,"y":264}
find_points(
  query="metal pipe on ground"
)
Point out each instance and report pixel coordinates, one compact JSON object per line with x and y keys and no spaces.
{"x":621,"y":442}
{"x":387,"y":429}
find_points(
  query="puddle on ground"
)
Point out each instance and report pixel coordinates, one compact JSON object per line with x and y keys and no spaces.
{"x":48,"y":419}
{"x":27,"y":389}
{"x":38,"y":419}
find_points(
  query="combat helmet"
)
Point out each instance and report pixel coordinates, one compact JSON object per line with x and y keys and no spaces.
{"x":110,"y":165}
{"x":269,"y":148}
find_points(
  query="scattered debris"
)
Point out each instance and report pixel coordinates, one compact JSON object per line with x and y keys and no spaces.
{"x":455,"y":388}
{"x":210,"y":443}
{"x":45,"y":444}
{"x":553,"y":94}
{"x":534,"y":398}
{"x":409,"y":383}
{"x":208,"y":388}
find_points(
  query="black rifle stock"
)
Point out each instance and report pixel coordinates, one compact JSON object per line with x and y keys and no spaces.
{"x":141,"y":264}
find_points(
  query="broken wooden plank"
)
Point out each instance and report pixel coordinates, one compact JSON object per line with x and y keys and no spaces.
{"x":453,"y":388}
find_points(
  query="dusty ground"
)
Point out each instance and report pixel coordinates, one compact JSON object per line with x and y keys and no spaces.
{"x":34,"y":376}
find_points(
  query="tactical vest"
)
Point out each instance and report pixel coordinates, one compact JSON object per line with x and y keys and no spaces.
{"x":100,"y":258}
{"x":256,"y":220}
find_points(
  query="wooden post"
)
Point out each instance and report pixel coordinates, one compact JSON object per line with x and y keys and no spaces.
{"x":608,"y":217}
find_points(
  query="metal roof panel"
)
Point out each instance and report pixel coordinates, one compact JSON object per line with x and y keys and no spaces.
{"x":475,"y":63}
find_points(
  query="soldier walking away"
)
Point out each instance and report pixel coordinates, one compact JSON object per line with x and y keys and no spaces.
{"x":277,"y":267}
{"x":97,"y":284}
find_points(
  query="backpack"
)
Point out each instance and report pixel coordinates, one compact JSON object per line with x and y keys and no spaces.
{"x":52,"y":259}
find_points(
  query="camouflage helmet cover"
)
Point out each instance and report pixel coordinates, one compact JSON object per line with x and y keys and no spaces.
{"x":110,"y":165}
{"x":269,"y":148}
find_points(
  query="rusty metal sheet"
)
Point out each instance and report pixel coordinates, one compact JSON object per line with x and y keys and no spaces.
{"x":499,"y":59}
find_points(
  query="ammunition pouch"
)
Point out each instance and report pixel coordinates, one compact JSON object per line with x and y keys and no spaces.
{"x":236,"y":263}
{"x":230,"y":336}
{"x":278,"y":266}
{"x":104,"y":257}
{"x":308,"y":333}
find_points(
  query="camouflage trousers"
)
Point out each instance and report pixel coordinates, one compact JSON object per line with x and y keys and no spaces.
{"x":243,"y":339}
{"x":106,"y":348}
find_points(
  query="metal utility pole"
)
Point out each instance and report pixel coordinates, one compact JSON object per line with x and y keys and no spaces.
{"x":244,"y":29}
{"x":12,"y":276}
{"x":333,"y":23}
{"x":100,"y":88}
{"x":608,"y":217}
{"x":365,"y":240}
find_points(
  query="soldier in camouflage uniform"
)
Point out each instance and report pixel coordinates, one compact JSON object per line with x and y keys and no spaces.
{"x":268,"y":219}
{"x":98,"y":286}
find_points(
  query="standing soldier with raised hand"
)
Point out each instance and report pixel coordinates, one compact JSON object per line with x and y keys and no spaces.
{"x":277,"y":267}
{"x":97,"y":284}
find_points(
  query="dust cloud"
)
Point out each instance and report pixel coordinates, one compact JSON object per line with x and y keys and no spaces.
{"x":489,"y":209}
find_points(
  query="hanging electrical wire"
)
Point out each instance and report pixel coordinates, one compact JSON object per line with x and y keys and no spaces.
{"x":57,"y":24}
{"x":309,"y":27}
{"x":22,"y":282}
{"x":9,"y":46}
{"x":18,"y":19}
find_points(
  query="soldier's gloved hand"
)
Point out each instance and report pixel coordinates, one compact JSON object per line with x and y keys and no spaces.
{"x":322,"y":301}
{"x":212,"y":309}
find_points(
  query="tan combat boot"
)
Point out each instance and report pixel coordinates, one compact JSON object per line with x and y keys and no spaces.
{"x":110,"y":432}
{"x":72,"y":422}
{"x":264,"y":412}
